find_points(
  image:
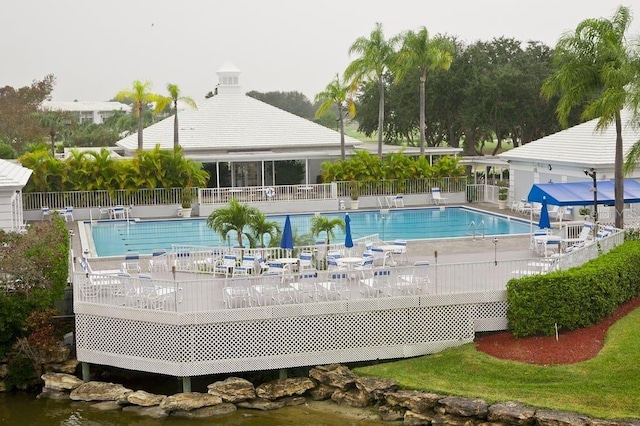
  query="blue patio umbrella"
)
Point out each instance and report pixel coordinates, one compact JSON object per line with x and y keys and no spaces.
{"x":544,"y":221}
{"x":287,"y":235}
{"x":348,"y":240}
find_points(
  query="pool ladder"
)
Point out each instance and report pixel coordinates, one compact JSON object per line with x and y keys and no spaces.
{"x":474,"y":228}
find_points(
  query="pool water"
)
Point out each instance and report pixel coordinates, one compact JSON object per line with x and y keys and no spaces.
{"x":115,"y":238}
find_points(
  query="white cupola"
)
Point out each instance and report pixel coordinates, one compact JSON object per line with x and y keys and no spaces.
{"x":229,"y":81}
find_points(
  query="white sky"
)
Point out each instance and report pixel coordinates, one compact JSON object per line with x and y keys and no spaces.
{"x":96,"y":49}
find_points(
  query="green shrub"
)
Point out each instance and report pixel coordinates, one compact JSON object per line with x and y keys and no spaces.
{"x":575,"y":298}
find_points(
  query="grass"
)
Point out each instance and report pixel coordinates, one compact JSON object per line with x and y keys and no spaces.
{"x":603,"y":387}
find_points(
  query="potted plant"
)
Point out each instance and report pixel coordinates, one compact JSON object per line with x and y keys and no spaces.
{"x":586,"y":212}
{"x":354,"y":194}
{"x":187,"y":197}
{"x":503,"y":194}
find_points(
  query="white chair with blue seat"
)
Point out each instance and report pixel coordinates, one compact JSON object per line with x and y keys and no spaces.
{"x":226,"y":265}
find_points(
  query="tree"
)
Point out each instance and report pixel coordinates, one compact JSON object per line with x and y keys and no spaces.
{"x":174,"y":95}
{"x":338,"y":94}
{"x":376,"y":54}
{"x":235,"y":217}
{"x":324,"y":224}
{"x":141,"y":97}
{"x":294,"y":102}
{"x":424,"y":54}
{"x":261,"y":227}
{"x":595,"y":70}
{"x":53,"y":122}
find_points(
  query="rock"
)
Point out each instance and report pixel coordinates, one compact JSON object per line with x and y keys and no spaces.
{"x":284,"y":387}
{"x":352,"y":397}
{"x":390,"y":414}
{"x":511,"y":412}
{"x":189,"y":401}
{"x":100,"y":391}
{"x":465,"y":407}
{"x":144,"y":399}
{"x":418,"y":402}
{"x":69,"y":367}
{"x":210,"y":411}
{"x":560,"y":418}
{"x":335,"y":375}
{"x":106,"y":406}
{"x":322,"y":392}
{"x":154,"y":412}
{"x":4,"y":370}
{"x":233,"y":389}
{"x":3,"y":386}
{"x":290,"y":401}
{"x":53,"y":394}
{"x":59,"y":355}
{"x":60,"y":381}
{"x":377,"y":388}
{"x":261,"y":404}
{"x":602,"y":422}
{"x":416,"y":419}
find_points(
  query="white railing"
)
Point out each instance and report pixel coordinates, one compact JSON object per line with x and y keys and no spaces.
{"x":388,"y":187}
{"x":259,"y":194}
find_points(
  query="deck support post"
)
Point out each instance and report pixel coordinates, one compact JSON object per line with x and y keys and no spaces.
{"x":186,"y":384}
{"x":86,"y":374}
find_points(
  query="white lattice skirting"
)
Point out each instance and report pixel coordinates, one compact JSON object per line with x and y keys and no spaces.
{"x":331,"y":332}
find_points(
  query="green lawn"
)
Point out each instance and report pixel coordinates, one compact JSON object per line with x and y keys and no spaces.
{"x":604,"y":387}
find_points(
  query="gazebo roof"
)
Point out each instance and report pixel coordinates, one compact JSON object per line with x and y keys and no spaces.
{"x":13,"y":175}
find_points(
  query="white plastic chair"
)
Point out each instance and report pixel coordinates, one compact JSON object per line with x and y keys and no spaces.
{"x":437,"y":197}
{"x":159,"y":260}
{"x":131,"y":262}
{"x":226,"y":265}
{"x":398,"y":200}
{"x":306,"y":261}
{"x":247,"y":266}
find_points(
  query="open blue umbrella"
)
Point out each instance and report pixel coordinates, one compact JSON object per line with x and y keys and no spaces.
{"x":348,"y":241}
{"x":544,"y":222}
{"x":287,"y":235}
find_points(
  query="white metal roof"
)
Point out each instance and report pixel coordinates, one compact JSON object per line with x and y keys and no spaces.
{"x":580,"y":145}
{"x":236,"y":122}
{"x":13,"y":175}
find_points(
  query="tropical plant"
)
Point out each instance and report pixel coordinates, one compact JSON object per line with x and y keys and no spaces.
{"x":339,"y":94}
{"x":53,"y":122}
{"x":261,"y":227}
{"x":420,"y":52}
{"x":503,"y":191}
{"x":174,"y":95}
{"x":235,"y":217}
{"x":324,"y":224}
{"x":595,"y":70}
{"x":141,"y":97}
{"x":376,"y":54}
{"x":187,"y":197}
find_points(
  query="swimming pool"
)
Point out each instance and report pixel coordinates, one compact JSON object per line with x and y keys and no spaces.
{"x":115,"y":238}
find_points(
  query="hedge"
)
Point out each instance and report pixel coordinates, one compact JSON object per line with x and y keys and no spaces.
{"x":576,"y":298}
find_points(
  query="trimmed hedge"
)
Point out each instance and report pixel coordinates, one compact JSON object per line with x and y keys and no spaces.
{"x":575,"y":298}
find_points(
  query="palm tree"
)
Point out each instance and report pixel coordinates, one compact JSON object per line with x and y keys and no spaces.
{"x":234,"y":217}
{"x":261,"y":227}
{"x":596,"y":71}
{"x":141,"y":96}
{"x":424,"y":54}
{"x":53,"y":122}
{"x":376,"y":54}
{"x":337,"y":93}
{"x":324,"y":224}
{"x":174,"y":95}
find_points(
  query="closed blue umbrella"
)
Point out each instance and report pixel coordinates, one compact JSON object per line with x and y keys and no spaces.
{"x":287,"y":235}
{"x":348,"y":241}
{"x":544,"y":222}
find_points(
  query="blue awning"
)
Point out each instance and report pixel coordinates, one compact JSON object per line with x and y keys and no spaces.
{"x":581,"y":193}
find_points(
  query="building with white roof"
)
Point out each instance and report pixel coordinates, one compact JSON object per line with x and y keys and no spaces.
{"x":565,"y":155}
{"x":91,"y":112}
{"x":13,"y":177}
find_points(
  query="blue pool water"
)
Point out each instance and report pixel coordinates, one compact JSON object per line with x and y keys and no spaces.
{"x":114,"y":238}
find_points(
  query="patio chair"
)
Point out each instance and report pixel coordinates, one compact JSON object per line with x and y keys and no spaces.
{"x":417,"y":281}
{"x":337,"y":286}
{"x":305,"y":288}
{"x":237,"y":293}
{"x":380,"y":256}
{"x":226,"y":265}
{"x":398,"y":200}
{"x":376,"y":283}
{"x":542,"y":266}
{"x":436,"y":196}
{"x":333,"y":265}
{"x":247,"y":266}
{"x":46,"y":213}
{"x":306,"y":261}
{"x":267,"y":291}
{"x":67,"y":214}
{"x":604,"y":232}
{"x":131,"y":262}
{"x":401,"y":250}
{"x":583,"y":237}
{"x":159,"y":261}
{"x":182,"y":261}
{"x":104,"y":213}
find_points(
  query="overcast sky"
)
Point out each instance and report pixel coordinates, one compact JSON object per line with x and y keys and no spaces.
{"x":95,"y":49}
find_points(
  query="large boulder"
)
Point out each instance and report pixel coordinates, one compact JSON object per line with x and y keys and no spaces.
{"x":352,"y":397}
{"x":144,"y":399}
{"x":60,"y":381}
{"x":4,"y":371}
{"x":322,"y":392}
{"x":100,"y":391}
{"x":560,"y":418}
{"x":376,"y":388}
{"x":69,"y":366}
{"x":512,"y":413}
{"x":233,"y":389}
{"x":154,"y":412}
{"x":209,"y":411}
{"x":261,"y":404}
{"x":335,"y":375}
{"x":464,"y":407}
{"x":418,"y":402}
{"x":284,"y":387}
{"x":189,"y":401}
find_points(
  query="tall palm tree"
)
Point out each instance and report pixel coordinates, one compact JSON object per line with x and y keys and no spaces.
{"x":420,"y":52}
{"x":261,"y":227}
{"x":234,"y":217}
{"x":376,"y":54}
{"x":53,"y":122}
{"x":141,"y":96}
{"x":596,"y":70}
{"x":337,"y":93}
{"x":324,"y":224}
{"x":174,"y":95}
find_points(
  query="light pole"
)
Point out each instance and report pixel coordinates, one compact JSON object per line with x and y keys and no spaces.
{"x":593,"y":175}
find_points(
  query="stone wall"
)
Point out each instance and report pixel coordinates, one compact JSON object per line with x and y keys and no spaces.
{"x":335,"y":382}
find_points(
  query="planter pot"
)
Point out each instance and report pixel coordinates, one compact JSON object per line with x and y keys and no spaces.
{"x":502,"y":204}
{"x":185,"y":212}
{"x":354,"y":204}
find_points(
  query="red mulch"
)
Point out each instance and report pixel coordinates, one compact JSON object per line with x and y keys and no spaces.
{"x":571,"y":346}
